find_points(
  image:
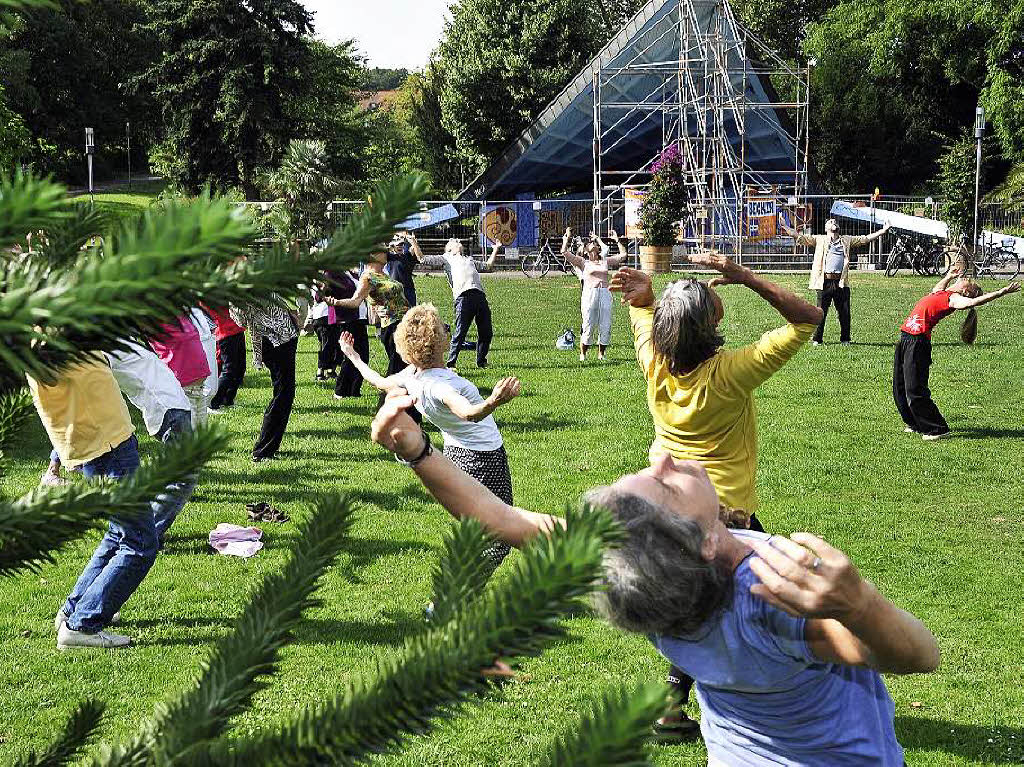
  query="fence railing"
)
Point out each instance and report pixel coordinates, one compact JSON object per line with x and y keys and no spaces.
{"x":527,"y":224}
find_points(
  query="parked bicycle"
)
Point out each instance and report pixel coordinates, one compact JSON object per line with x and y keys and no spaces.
{"x":997,"y":261}
{"x":922,"y":256}
{"x":547,"y":258}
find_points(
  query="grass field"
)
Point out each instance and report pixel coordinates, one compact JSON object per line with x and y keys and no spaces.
{"x":938,"y":526}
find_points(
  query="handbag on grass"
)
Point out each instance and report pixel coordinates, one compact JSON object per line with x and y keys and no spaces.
{"x":566,"y":341}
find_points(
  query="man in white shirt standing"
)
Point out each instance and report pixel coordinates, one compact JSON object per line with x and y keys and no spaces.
{"x":152,"y":387}
{"x":470,"y":300}
{"x":830,"y":272}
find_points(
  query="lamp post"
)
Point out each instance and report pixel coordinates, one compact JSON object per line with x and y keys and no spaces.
{"x":128,"y":134}
{"x":90,"y":150}
{"x":979,"y":132}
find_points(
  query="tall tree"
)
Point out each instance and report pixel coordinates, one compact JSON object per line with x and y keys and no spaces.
{"x":65,"y":67}
{"x":224,"y":82}
{"x":439,"y":158}
{"x":500,"y":63}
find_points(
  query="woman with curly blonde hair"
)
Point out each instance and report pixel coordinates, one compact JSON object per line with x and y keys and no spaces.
{"x":450,"y":402}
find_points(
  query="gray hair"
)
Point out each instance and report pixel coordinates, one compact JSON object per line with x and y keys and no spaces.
{"x":656,"y":581}
{"x":684,"y":326}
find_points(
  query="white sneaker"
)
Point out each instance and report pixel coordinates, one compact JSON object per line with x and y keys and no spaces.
{"x":583,"y":358}
{"x":933,"y":437}
{"x":816,"y":343}
{"x":68,"y":639}
{"x":61,"y":619}
{"x":910,"y":430}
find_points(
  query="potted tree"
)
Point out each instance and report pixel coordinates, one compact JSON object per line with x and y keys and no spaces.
{"x":664,"y":206}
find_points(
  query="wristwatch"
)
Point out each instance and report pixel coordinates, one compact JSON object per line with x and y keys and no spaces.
{"x":427,"y":450}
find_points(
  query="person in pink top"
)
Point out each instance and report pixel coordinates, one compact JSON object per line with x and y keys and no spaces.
{"x":181,"y":349}
{"x":913,"y":359}
{"x":596,"y":301}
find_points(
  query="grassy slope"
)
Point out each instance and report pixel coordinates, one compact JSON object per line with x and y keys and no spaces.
{"x":937,"y":526}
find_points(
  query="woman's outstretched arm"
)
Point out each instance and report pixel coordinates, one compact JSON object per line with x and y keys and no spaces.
{"x":958,"y":301}
{"x":362,"y":291}
{"x":504,"y":391}
{"x":569,"y":256}
{"x":374,"y":378}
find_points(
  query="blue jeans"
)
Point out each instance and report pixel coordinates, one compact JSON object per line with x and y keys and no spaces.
{"x":169,"y":504}
{"x":122,"y":559}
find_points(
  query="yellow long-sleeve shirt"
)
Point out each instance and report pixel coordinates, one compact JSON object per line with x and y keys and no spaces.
{"x":708,"y":414}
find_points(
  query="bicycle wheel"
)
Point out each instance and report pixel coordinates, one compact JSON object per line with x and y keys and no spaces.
{"x":919,"y":262}
{"x":1005,"y":265}
{"x":893,"y":265}
{"x":941,"y":261}
{"x":532,"y":265}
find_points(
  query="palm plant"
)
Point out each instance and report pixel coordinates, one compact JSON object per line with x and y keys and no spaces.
{"x":303,"y":186}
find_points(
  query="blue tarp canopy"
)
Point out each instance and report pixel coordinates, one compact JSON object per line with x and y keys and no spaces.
{"x":556,"y":152}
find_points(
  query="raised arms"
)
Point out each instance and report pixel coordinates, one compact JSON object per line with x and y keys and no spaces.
{"x":954,"y":272}
{"x":504,"y":391}
{"x":794,"y":309}
{"x":616,"y":261}
{"x":958,"y":301}
{"x":850,"y":621}
{"x":567,"y":253}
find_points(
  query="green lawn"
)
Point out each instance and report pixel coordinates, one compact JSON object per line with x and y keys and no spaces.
{"x":938,"y":526}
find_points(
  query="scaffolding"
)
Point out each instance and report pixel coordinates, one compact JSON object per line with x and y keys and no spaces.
{"x":720,"y":90}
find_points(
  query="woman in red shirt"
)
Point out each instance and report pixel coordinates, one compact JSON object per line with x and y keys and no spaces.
{"x":914,"y":350}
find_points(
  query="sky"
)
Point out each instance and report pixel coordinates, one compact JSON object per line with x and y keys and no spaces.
{"x":390,"y":33}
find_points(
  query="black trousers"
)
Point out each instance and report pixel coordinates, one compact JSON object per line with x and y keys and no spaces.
{"x":395,"y":363}
{"x":232,"y":370}
{"x":910,"y":391}
{"x":832,"y":293}
{"x":350,"y":380}
{"x":472,"y":307}
{"x":328,"y":356}
{"x":680,"y":683}
{"x":280,"y":361}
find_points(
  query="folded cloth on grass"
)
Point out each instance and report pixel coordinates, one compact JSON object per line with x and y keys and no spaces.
{"x":236,"y":541}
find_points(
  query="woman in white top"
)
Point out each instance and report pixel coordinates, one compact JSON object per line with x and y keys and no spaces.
{"x":596,"y":301}
{"x":454,"y":405}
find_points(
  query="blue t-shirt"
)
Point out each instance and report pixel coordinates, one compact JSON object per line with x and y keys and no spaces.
{"x":399,"y":268}
{"x":765,"y":699}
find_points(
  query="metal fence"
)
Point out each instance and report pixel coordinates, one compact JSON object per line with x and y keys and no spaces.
{"x":529,"y":224}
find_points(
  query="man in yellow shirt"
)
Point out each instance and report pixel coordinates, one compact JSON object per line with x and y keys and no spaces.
{"x":89,"y":426}
{"x":701,"y":396}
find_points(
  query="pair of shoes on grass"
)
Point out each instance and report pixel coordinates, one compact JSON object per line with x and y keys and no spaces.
{"x":261,"y":511}
{"x":677,"y":727}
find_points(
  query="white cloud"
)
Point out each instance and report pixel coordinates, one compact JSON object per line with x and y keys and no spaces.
{"x":391,"y":33}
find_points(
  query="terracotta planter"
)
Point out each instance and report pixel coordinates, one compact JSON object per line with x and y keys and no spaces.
{"x":656,"y":259}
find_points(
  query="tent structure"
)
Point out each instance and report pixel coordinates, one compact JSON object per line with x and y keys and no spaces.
{"x":680,"y":71}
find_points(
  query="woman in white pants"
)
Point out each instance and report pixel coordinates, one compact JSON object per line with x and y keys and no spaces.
{"x":596,"y":301}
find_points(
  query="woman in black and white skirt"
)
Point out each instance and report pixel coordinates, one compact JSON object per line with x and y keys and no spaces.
{"x":453,"y":404}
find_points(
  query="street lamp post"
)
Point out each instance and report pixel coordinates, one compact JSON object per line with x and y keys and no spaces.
{"x":979,"y":132}
{"x":90,"y":150}
{"x":128,"y":134}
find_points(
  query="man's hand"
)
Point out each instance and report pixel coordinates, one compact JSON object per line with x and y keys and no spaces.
{"x":732,"y":273}
{"x":505,"y":390}
{"x":634,"y":285}
{"x":805,"y":576}
{"x":347,"y":344}
{"x":613,"y":234}
{"x":394,"y":429}
{"x":1012,"y":287}
{"x":886,"y":226}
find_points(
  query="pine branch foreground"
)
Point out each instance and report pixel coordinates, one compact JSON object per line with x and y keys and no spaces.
{"x":462,"y":571}
{"x":78,"y":731}
{"x":36,"y":526}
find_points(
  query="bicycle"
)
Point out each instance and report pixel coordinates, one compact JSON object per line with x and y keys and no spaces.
{"x":1000,"y":262}
{"x":911,"y":254}
{"x":544,"y":260}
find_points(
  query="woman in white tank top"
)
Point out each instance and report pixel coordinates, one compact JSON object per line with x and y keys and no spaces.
{"x":596,"y":301}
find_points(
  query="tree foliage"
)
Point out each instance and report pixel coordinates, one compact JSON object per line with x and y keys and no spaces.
{"x":224,"y":80}
{"x":381,"y":79}
{"x":500,"y":63}
{"x":304,"y":186}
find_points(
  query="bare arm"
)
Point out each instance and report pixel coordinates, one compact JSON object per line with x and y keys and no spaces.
{"x":494,"y":254}
{"x":374,"y":378}
{"x":458,"y":492}
{"x":616,"y":261}
{"x":362,"y":291}
{"x":802,"y":239}
{"x":958,"y":301}
{"x":950,"y":276}
{"x":567,"y":254}
{"x":414,"y":246}
{"x":794,"y":309}
{"x":505,"y":390}
{"x":849,"y":620}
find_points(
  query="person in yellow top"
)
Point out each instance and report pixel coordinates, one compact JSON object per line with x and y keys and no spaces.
{"x":89,"y":426}
{"x":700,"y":395}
